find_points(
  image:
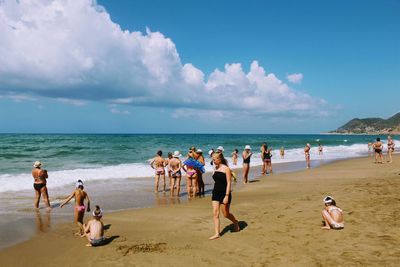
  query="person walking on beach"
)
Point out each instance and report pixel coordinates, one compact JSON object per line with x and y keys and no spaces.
{"x":158,"y":164}
{"x":332,"y":215}
{"x":378,"y":147}
{"x":282,"y":152}
{"x":235,"y":155}
{"x":40,"y":184}
{"x":79,"y":211}
{"x":200,"y":182}
{"x":94,"y":229}
{"x":307,"y":149}
{"x":246,"y":163}
{"x":390,"y":145}
{"x":221,"y":194}
{"x":175,"y":166}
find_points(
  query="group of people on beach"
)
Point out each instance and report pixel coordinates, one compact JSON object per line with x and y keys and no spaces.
{"x":377,"y":147}
{"x":93,"y":230}
{"x":193,"y":166}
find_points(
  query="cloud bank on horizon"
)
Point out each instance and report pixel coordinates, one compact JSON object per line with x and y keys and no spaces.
{"x":73,"y":52}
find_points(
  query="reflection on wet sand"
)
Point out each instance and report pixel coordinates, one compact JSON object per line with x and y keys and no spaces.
{"x":43,"y":223}
{"x":165,"y":199}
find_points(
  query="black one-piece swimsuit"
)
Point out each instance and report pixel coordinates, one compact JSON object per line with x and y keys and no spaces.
{"x":219,"y":191}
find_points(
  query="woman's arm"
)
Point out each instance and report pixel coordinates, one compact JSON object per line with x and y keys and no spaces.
{"x":68,"y":199}
{"x":228,"y":185}
{"x":88,"y":202}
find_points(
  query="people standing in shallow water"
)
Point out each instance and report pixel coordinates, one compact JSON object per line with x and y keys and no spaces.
{"x":378,"y":147}
{"x":390,"y":145}
{"x":200,"y":182}
{"x":320,"y":149}
{"x":40,"y":184}
{"x":158,"y":164}
{"x":282,"y":152}
{"x":167,"y":165}
{"x":175,"y":166}
{"x":266,"y":156}
{"x":264,"y":151}
{"x":221,"y":194}
{"x":235,"y":155}
{"x":307,"y":149}
{"x":246,"y":163}
{"x":94,"y":229}
{"x":332,"y":215}
{"x":191,"y":178}
{"x":79,"y":210}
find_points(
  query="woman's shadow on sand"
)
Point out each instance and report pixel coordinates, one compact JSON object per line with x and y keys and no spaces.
{"x":230,"y":228}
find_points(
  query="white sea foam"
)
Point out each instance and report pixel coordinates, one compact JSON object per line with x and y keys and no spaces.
{"x":62,"y":178}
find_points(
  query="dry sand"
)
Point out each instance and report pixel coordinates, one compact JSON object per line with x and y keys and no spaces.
{"x":280,"y":226}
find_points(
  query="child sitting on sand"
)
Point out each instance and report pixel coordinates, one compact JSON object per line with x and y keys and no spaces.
{"x":94,"y":229}
{"x":332,"y":215}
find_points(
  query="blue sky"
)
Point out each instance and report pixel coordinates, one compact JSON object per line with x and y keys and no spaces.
{"x":196,"y":66}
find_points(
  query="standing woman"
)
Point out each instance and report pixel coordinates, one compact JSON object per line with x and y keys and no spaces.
{"x":39,"y":184}
{"x":390,"y":145}
{"x":246,"y":163}
{"x":221,"y":194}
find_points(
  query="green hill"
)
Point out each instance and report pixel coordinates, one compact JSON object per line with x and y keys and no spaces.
{"x":371,"y":126}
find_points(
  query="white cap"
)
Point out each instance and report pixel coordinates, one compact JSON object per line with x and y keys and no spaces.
{"x":199,"y":151}
{"x":247,"y":147}
{"x":37,"y":164}
{"x":79,"y":183}
{"x":220,"y":148}
{"x":328,"y":199}
{"x":210,"y":152}
{"x":177,"y":154}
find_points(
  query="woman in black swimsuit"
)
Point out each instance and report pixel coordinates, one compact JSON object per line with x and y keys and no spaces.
{"x":39,"y":184}
{"x":221,"y":194}
{"x":246,"y":163}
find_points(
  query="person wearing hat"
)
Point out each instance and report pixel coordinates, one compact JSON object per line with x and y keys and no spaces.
{"x":94,"y":229}
{"x":246,"y":163}
{"x":40,"y":184}
{"x":79,"y":211}
{"x":220,"y":149}
{"x":332,"y":215}
{"x":175,"y":166}
{"x":200,"y":182}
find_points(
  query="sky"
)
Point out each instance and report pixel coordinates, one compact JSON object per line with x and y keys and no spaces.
{"x":174,"y":66}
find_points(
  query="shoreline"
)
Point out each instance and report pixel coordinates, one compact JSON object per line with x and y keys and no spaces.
{"x":279,"y":217}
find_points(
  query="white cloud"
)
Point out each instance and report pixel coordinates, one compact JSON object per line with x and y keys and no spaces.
{"x":295,"y":78}
{"x":119,"y":112}
{"x":74,"y":102}
{"x":71,"y":50}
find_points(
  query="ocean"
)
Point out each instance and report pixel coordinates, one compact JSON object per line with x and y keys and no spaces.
{"x":116,"y":173}
{"x":90,"y":157}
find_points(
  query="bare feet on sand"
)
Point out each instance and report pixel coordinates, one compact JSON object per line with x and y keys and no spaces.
{"x":326,"y":228}
{"x":214,"y":237}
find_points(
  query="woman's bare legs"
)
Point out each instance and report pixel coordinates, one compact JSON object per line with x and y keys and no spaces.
{"x":327,"y":219}
{"x":230,"y":216}
{"x":215,"y":205}
{"x":37,"y":199}
{"x":45,"y":194}
{"x":246,"y":168}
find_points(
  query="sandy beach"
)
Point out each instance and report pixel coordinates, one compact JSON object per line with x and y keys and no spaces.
{"x":280,"y":226}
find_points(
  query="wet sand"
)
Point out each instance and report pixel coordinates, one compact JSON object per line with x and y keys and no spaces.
{"x":280,"y":226}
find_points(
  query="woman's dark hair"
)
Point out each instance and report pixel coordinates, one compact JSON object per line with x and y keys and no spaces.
{"x":236,"y":150}
{"x":169,"y":154}
{"x":159,"y":152}
{"x":378,"y":139}
{"x":221,"y":157}
{"x":265,"y":146}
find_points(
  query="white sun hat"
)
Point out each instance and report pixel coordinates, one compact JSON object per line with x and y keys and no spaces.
{"x":177,"y":154}
{"x":220,"y":148}
{"x":247,"y":147}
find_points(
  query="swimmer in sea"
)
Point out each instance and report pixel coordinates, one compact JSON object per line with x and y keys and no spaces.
{"x":79,"y":211}
{"x":307,"y":149}
{"x":332,"y":215}
{"x":40,"y":184}
{"x":158,"y":164}
{"x":378,"y":147}
{"x":320,"y":149}
{"x":175,"y":166}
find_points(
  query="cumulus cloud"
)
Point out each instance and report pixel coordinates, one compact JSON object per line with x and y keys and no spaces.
{"x":295,"y":78}
{"x":71,"y":50}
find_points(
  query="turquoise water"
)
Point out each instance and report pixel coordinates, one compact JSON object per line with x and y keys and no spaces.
{"x":69,"y":157}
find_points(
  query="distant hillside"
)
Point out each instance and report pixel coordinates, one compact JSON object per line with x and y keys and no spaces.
{"x":371,"y":126}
